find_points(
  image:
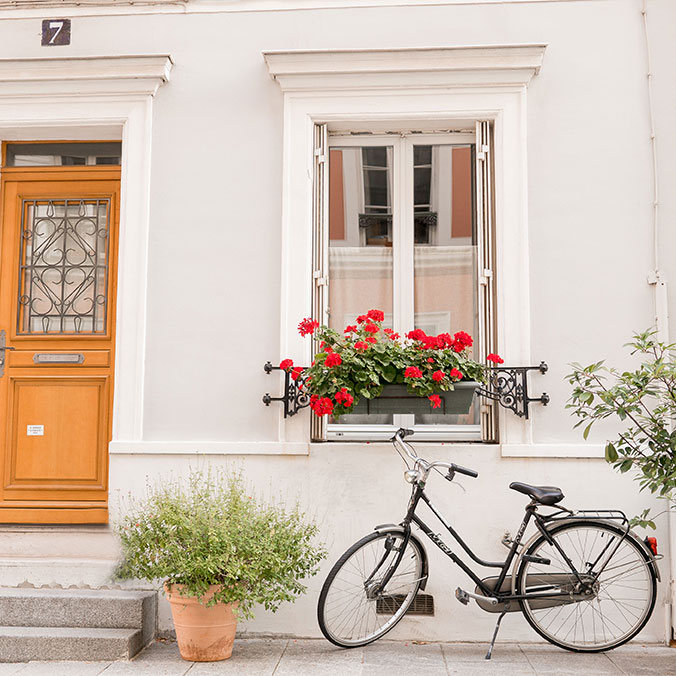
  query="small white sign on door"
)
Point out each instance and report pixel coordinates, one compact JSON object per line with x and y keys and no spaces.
{"x":35,"y":430}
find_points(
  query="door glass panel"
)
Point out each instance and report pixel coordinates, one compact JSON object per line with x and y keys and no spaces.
{"x":63,"y":266}
{"x":360,"y":240}
{"x":445,"y":252}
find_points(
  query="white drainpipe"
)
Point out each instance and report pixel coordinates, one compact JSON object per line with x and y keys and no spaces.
{"x":657,"y":280}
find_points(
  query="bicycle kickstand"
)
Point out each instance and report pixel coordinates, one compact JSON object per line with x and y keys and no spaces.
{"x":495,"y":634}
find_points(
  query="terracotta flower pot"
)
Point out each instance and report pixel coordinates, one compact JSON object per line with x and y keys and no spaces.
{"x":204,"y":634}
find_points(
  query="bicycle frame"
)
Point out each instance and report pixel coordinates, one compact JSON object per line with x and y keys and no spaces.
{"x":541,"y":521}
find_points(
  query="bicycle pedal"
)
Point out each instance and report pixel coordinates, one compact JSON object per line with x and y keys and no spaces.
{"x":462,"y":596}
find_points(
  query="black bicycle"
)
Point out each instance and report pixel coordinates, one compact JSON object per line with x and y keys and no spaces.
{"x":584,"y":581}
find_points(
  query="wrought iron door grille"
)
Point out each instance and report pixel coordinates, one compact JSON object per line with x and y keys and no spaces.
{"x":423,"y":604}
{"x":63,"y":273}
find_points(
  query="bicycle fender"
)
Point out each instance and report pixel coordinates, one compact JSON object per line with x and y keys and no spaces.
{"x":385,"y":527}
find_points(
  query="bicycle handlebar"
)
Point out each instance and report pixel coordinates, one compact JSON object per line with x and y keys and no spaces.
{"x":410,"y":452}
{"x":464,"y":470}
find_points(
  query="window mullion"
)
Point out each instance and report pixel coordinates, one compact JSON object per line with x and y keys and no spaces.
{"x":404,"y":245}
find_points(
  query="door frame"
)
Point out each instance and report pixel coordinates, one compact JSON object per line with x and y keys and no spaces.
{"x":101,"y":98}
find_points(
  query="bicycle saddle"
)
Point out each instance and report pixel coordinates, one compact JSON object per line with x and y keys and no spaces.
{"x":545,"y":495}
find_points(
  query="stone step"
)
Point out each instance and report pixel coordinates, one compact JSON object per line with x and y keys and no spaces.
{"x":25,"y":644}
{"x":102,"y":608}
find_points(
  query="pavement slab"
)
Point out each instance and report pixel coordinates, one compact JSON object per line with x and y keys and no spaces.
{"x":314,"y":657}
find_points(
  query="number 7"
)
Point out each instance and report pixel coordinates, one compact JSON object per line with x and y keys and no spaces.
{"x":58,"y":25}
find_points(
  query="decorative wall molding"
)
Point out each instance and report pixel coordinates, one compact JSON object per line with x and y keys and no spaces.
{"x":208,"y":448}
{"x":422,"y":67}
{"x":78,"y":76}
{"x":553,"y":451}
{"x":20,"y":9}
{"x":96,"y":98}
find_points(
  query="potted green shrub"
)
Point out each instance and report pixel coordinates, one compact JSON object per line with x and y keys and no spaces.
{"x":371,"y":369}
{"x":218,"y":550}
{"x":643,"y":400}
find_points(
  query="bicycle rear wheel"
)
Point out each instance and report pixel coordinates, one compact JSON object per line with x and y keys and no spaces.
{"x":353,"y":608}
{"x":603,"y":610}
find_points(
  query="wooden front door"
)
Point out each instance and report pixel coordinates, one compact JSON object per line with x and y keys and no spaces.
{"x":58,"y":255}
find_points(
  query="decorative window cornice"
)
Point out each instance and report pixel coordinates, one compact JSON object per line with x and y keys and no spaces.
{"x":493,"y":65}
{"x":78,"y":76}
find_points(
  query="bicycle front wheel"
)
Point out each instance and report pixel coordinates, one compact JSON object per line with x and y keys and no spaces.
{"x":597,"y":611}
{"x":354,"y":608}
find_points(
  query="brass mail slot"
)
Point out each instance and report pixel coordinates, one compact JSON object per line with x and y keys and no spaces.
{"x":58,"y":358}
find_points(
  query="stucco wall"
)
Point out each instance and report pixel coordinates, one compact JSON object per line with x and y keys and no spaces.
{"x":214,"y":253}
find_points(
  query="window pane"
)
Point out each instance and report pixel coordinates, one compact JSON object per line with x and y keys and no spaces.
{"x":360,"y":242}
{"x":63,"y":154}
{"x":63,"y":266}
{"x":445,"y":254}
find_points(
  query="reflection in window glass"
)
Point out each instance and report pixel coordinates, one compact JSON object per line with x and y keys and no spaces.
{"x":445,"y":259}
{"x":63,"y":154}
{"x":360,"y":241}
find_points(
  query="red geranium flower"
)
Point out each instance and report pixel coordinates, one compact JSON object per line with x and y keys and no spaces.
{"x":376,"y":315}
{"x":361,"y":345}
{"x":435,"y":399}
{"x":388,"y":330}
{"x":371,"y":339}
{"x":350,"y":329}
{"x":412,"y":372}
{"x":295,"y":373}
{"x":321,"y":406}
{"x":286,"y":364}
{"x":430,"y":360}
{"x":394,"y":336}
{"x":461,"y":341}
{"x":495,"y":358}
{"x":454,"y":373}
{"x":416,"y":334}
{"x":361,"y":319}
{"x":344,"y":397}
{"x":371,"y":328}
{"x":438,"y":376}
{"x":307,"y":326}
{"x":333,"y":359}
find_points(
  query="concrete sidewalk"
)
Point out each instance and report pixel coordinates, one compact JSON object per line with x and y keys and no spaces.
{"x":306,"y":657}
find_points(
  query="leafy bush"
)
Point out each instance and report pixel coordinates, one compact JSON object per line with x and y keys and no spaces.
{"x":212,"y":530}
{"x":645,"y":400}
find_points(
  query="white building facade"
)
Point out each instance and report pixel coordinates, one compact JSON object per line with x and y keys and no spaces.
{"x":281,"y":159}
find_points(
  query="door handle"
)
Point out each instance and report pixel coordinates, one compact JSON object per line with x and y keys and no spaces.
{"x":3,"y":349}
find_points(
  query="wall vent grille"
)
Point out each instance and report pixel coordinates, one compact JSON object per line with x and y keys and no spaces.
{"x":423,"y":604}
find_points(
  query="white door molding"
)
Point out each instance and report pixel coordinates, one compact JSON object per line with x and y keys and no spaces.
{"x":101,"y":98}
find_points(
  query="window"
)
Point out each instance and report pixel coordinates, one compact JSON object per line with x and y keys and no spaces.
{"x":423,"y":89}
{"x":401,"y":233}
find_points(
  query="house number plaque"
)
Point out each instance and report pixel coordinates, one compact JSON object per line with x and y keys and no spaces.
{"x":55,"y":32}
{"x":58,"y":358}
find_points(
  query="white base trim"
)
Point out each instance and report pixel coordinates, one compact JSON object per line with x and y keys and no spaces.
{"x":208,"y":448}
{"x":553,"y":451}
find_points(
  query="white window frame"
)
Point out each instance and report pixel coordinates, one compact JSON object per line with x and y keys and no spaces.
{"x":402,"y":202}
{"x":441,"y":88}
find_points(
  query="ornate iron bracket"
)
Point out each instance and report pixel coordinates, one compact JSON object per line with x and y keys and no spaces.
{"x":508,"y":385}
{"x":294,"y":398}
